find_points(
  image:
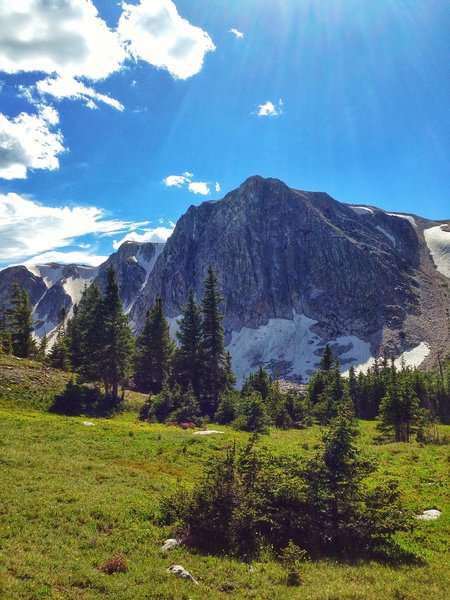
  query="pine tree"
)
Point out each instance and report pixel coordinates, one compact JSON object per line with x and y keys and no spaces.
{"x":399,"y":409}
{"x":21,"y":323}
{"x":333,"y":477}
{"x":117,"y":340}
{"x":353,"y":389}
{"x":86,"y":334}
{"x":59,"y":354}
{"x":5,"y":331}
{"x":154,"y":351}
{"x":74,"y":339}
{"x":214,"y":378}
{"x":188,"y":359}
{"x":258,"y":382}
{"x":327,"y":361}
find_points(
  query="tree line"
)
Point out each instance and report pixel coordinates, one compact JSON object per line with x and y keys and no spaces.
{"x":193,"y":380}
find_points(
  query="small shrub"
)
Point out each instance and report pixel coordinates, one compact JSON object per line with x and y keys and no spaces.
{"x":291,"y":558}
{"x":115,"y":564}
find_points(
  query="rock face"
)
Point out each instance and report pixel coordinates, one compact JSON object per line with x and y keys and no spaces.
{"x":297,"y":270}
{"x":133,"y":263}
{"x":28,"y":281}
{"x":54,"y":286}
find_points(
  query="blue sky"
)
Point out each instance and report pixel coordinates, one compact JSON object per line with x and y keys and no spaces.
{"x":115,"y":117}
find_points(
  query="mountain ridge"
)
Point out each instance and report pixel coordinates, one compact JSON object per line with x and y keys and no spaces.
{"x":297,"y":269}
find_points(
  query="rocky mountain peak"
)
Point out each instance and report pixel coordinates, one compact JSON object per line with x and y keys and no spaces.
{"x":297,"y":270}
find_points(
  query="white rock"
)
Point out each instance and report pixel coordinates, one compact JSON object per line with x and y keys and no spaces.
{"x":170,"y":545}
{"x":429,"y":515}
{"x":180,"y":571}
{"x":88,"y":423}
{"x":207,"y":432}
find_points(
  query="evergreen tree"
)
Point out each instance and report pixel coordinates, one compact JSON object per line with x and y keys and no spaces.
{"x":21,"y":323}
{"x":43,"y":347}
{"x":327,"y":361}
{"x":188,"y":358}
{"x":399,"y":409}
{"x":117,"y":340}
{"x":59,"y":354}
{"x":334,"y":489}
{"x":154,"y":351}
{"x":5,"y":331}
{"x":251,"y":414}
{"x":257,"y":382}
{"x":87,"y":331}
{"x":230,"y":377}
{"x":214,"y":379}
{"x":74,"y":339}
{"x":353,"y":389}
{"x":226,"y":412}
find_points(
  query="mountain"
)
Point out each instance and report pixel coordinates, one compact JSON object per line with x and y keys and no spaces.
{"x":297,"y":270}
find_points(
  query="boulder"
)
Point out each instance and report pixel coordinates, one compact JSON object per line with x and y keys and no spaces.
{"x":429,"y":515}
{"x":170,"y":544}
{"x":180,"y":571}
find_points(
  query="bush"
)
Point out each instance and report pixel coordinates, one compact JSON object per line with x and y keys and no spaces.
{"x":82,"y":400}
{"x":251,"y":414}
{"x":115,"y":564}
{"x":171,"y":404}
{"x":226,"y":412}
{"x":291,"y":558}
{"x":231,"y":510}
{"x":251,"y":498}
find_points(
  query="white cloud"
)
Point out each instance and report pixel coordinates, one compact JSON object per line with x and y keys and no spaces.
{"x":67,"y":258}
{"x":176,"y":180}
{"x":217,"y":187}
{"x":69,"y":87}
{"x":157,"y":235}
{"x":28,"y":142}
{"x":237,"y":33}
{"x":28,"y":228}
{"x":155,"y":32}
{"x":199,"y":187}
{"x":185,"y":180}
{"x":57,"y":36}
{"x":269,"y":109}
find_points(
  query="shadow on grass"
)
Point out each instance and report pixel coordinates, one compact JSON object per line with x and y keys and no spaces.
{"x":394,"y":555}
{"x":82,"y":400}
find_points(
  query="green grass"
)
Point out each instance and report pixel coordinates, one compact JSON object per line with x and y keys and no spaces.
{"x":73,"y":495}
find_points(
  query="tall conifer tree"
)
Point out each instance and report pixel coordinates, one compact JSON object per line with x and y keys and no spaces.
{"x":88,"y":327}
{"x":214,"y":359}
{"x":188,"y":356}
{"x":117,"y":340}
{"x":154,"y":351}
{"x":21,"y":323}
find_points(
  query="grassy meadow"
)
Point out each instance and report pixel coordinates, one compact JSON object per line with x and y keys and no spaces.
{"x":74,"y":495}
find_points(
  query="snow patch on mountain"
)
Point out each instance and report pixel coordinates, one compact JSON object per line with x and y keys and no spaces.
{"x":438,"y":242}
{"x":414,"y":357}
{"x":407,"y":217}
{"x":75,"y":287}
{"x":388,"y":235}
{"x":51,"y":273}
{"x":146,"y":264}
{"x":290,"y":349}
{"x":362,"y":210}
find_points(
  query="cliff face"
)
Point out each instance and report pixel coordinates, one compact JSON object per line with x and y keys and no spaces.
{"x":297,"y":270}
{"x":277,"y":251}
